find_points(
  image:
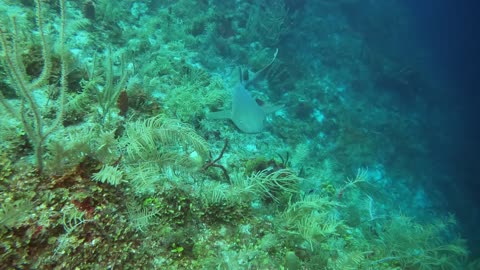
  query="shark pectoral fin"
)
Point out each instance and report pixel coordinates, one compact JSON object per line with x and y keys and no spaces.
{"x":219,"y":115}
{"x":270,"y":108}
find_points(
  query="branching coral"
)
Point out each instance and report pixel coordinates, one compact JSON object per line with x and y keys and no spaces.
{"x":159,"y":143}
{"x":276,"y":185}
{"x":30,"y":113}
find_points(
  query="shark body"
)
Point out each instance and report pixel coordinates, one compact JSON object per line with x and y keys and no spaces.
{"x":245,"y":113}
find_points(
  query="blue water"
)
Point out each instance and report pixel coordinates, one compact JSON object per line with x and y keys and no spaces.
{"x":449,"y":31}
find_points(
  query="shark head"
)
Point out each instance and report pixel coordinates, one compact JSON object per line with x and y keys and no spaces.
{"x":246,"y":114}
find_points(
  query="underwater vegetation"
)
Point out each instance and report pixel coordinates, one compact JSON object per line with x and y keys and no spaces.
{"x":111,"y":157}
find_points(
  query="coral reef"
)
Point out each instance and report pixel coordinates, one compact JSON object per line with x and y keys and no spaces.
{"x":111,"y":161}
